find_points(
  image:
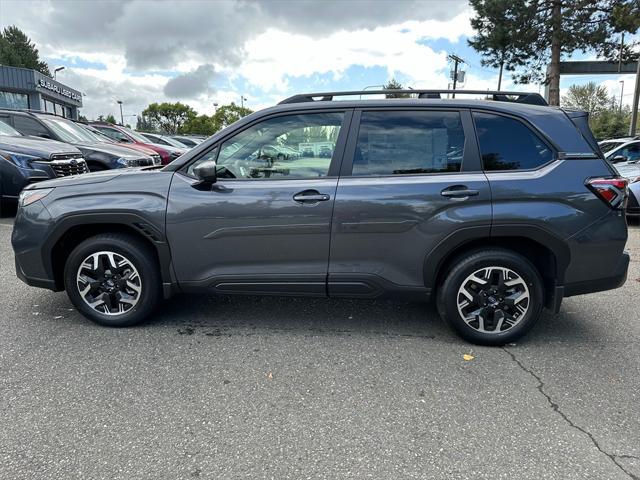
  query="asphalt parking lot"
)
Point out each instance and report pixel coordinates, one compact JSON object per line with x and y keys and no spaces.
{"x":242,"y":387}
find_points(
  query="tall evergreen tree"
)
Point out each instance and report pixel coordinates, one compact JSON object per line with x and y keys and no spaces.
{"x":16,"y":50}
{"x":538,"y":33}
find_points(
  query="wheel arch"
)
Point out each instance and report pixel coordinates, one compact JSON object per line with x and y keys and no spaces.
{"x":547,"y":252}
{"x":76,"y":228}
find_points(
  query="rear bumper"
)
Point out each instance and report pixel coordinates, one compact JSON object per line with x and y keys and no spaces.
{"x":616,"y":280}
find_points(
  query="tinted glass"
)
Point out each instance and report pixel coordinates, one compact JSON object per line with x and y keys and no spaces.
{"x":113,"y":133}
{"x":292,"y":146}
{"x":28,"y":126}
{"x":507,"y":144}
{"x":68,"y":131}
{"x":6,"y":129}
{"x":631,"y":152}
{"x":408,"y":142}
{"x":608,"y":146}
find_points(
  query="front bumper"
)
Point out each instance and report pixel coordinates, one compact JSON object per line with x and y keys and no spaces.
{"x":29,"y":232}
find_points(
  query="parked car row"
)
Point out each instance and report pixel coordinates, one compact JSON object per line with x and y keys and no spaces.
{"x":624,"y":155}
{"x":36,"y":146}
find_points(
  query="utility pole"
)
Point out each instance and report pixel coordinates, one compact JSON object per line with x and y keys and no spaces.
{"x":456,"y":60}
{"x":634,"y":106}
{"x":242,"y":100}
{"x":621,"y":93}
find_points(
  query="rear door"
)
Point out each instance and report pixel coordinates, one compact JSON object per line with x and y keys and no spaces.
{"x":410,"y":181}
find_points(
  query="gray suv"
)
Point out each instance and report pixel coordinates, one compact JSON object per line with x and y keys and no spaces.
{"x":493,"y":208}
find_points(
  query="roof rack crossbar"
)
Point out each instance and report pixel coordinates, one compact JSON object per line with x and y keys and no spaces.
{"x":530,"y":98}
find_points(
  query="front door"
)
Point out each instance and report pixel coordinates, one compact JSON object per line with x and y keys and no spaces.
{"x":264,"y":226}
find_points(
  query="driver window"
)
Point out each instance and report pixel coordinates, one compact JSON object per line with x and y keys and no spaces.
{"x":292,"y":146}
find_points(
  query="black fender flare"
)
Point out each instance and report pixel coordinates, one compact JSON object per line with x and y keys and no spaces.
{"x":128,"y":219}
{"x":435,"y":259}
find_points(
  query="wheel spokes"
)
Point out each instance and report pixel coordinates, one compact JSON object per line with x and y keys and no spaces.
{"x":109,"y":283}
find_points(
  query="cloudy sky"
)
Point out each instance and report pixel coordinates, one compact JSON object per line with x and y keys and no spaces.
{"x":205,"y":51}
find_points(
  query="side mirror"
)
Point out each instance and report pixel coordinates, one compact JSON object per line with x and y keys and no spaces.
{"x":43,"y":135}
{"x":619,"y":159}
{"x":124,"y":140}
{"x":206,"y":172}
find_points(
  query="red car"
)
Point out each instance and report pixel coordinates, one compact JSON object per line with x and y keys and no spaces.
{"x":157,"y":159}
{"x":125,"y":135}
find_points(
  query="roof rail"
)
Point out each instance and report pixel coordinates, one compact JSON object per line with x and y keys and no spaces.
{"x":496,"y":95}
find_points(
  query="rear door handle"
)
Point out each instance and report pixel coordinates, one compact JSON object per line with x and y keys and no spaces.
{"x":310,"y":196}
{"x":459,"y":191}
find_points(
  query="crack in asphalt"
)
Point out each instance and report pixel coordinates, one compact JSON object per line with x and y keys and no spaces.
{"x":556,"y":408}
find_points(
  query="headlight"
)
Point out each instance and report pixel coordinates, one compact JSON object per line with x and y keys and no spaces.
{"x":19,"y":159}
{"x":128,"y":161}
{"x":27,"y":197}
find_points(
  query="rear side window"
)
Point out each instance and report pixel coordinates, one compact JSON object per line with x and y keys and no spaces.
{"x":408,"y":142}
{"x":508,"y":144}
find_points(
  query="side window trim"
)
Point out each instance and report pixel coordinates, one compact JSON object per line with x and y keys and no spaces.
{"x":543,"y":138}
{"x":471,"y":161}
{"x":336,"y":159}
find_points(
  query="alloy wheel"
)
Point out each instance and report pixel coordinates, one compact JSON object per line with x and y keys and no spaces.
{"x":493,"y":299}
{"x":109,"y":283}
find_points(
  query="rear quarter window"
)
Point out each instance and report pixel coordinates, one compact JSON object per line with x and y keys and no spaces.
{"x":508,"y":144}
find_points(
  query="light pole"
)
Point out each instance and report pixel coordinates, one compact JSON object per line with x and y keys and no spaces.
{"x":55,"y":72}
{"x":242,"y":100}
{"x":121,"y":116}
{"x":621,"y":92}
{"x":215,"y":107}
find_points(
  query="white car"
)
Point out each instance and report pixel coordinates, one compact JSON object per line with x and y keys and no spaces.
{"x":607,"y":145}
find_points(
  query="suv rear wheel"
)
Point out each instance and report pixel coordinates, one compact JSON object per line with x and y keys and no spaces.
{"x":491,"y":297}
{"x":113,"y":280}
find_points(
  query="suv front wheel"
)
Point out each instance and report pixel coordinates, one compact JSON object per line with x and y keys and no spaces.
{"x":491,"y":297}
{"x":113,"y":280}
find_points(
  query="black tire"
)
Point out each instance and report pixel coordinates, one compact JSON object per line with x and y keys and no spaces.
{"x":138,"y":255}
{"x":459,"y":273}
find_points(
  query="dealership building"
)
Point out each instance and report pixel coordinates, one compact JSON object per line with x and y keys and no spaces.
{"x":23,"y":88}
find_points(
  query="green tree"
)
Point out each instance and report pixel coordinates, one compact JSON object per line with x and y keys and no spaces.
{"x":200,"y":125}
{"x":16,"y":50}
{"x":111,"y":119}
{"x":393,"y":84}
{"x":169,"y":117}
{"x":228,"y":114}
{"x":82,"y":118}
{"x":591,"y":97}
{"x":611,"y":123}
{"x":143,"y":124}
{"x":501,"y":39}
{"x":540,"y":32}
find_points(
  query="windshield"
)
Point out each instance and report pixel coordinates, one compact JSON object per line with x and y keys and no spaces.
{"x":136,"y":136}
{"x":608,"y":146}
{"x":68,"y":131}
{"x":101,"y":136}
{"x":174,"y":143}
{"x":8,"y":130}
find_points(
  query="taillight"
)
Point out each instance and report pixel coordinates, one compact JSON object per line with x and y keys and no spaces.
{"x":612,"y":191}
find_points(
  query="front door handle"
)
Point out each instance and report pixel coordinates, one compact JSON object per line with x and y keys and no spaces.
{"x":310,"y":196}
{"x":459,"y":191}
